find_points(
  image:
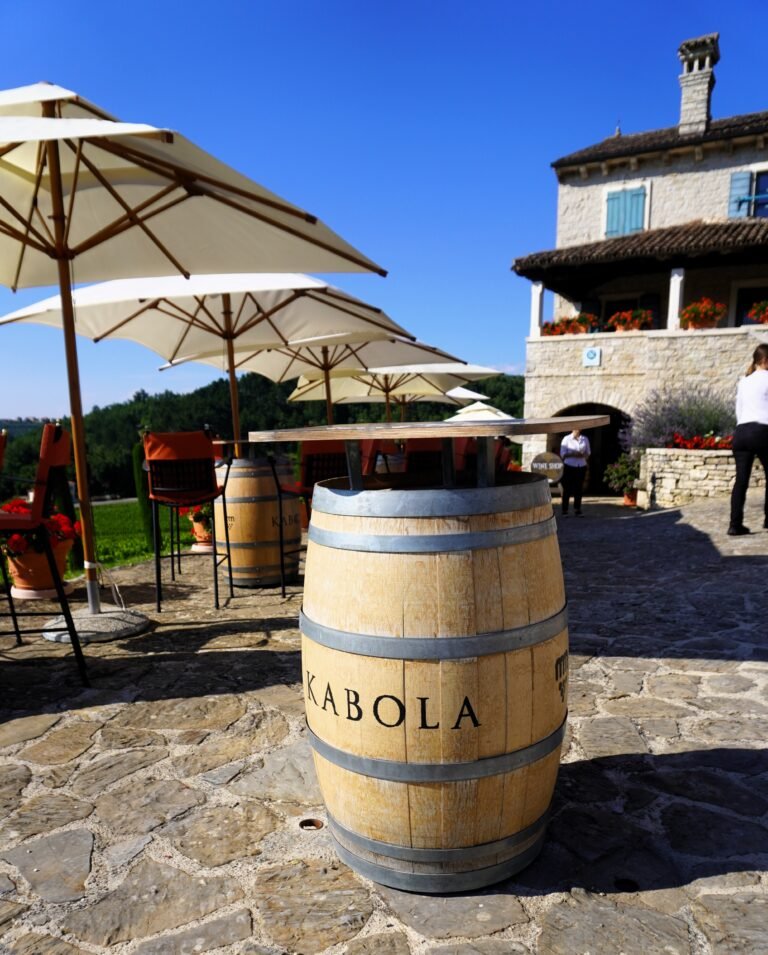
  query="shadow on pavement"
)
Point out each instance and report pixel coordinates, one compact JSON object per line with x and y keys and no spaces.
{"x":653,"y":586}
{"x":637,"y":823}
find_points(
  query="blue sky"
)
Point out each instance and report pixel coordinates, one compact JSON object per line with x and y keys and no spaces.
{"x":422,"y":132}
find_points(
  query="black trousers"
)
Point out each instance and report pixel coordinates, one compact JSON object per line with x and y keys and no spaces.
{"x":750,"y":441}
{"x":572,"y":483}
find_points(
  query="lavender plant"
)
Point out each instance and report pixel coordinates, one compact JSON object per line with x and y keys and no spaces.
{"x":699,"y":410}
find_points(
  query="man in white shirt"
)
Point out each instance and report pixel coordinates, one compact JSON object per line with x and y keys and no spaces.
{"x":574,"y":450}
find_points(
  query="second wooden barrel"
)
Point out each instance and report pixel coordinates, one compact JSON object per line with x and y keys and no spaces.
{"x":435,"y":668}
{"x":253,"y":514}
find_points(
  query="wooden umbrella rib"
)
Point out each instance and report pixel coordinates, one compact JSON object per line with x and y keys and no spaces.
{"x":341,"y":353}
{"x":124,"y":223}
{"x":268,"y":314}
{"x":333,"y":293}
{"x":28,"y":228}
{"x":213,"y":325}
{"x":12,"y":232}
{"x":73,"y":190}
{"x":327,"y":246}
{"x":46,"y":234}
{"x":191,"y":182}
{"x":182,"y":174}
{"x":387,"y":327}
{"x":27,"y":222}
{"x":137,"y":221}
{"x":241,"y":311}
{"x":126,"y":321}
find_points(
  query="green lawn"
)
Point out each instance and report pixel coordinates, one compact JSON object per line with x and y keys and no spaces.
{"x":120,"y":537}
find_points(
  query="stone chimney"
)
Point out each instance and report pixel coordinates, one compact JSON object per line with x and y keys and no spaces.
{"x":697,"y":80}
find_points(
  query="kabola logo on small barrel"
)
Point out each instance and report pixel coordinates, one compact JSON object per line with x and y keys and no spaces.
{"x":387,"y":709}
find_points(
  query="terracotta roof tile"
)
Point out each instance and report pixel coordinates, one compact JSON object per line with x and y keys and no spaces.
{"x":686,"y":241}
{"x":616,"y":147}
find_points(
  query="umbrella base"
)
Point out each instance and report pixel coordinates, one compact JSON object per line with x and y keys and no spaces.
{"x":113,"y":623}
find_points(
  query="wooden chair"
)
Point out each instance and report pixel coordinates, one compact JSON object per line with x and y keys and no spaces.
{"x":54,"y":454}
{"x":181,"y":468}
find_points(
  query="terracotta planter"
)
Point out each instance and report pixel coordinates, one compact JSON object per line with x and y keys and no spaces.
{"x":630,"y":498}
{"x":203,"y":538}
{"x":32,"y":577}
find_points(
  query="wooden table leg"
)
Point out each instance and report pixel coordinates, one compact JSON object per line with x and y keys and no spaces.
{"x":486,"y":464}
{"x":354,"y":465}
{"x":449,"y":476}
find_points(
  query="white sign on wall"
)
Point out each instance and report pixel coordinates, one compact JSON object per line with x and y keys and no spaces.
{"x":592,"y":357}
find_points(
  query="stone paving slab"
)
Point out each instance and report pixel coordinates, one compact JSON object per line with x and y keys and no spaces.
{"x":160,"y":811}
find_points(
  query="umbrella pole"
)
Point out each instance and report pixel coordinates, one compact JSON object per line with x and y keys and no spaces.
{"x":234,"y":399}
{"x":73,"y":378}
{"x":327,"y":377}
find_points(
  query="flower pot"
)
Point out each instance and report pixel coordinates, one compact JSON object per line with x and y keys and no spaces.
{"x":203,"y":538}
{"x":32,"y":577}
{"x":630,"y":498}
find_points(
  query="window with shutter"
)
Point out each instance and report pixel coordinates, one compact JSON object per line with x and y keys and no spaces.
{"x":760,"y":208}
{"x":625,"y":211}
{"x":740,"y":197}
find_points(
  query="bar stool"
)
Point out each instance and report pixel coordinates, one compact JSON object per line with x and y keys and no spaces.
{"x":182,"y":473}
{"x":54,"y":454}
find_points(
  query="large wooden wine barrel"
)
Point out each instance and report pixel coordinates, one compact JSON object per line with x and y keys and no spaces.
{"x":253,"y":515}
{"x":435,"y":667}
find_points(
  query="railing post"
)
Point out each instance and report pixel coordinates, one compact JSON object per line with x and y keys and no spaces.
{"x":537,"y":308}
{"x":676,"y":286}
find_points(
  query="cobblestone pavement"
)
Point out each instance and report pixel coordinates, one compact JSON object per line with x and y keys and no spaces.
{"x":161,"y":810}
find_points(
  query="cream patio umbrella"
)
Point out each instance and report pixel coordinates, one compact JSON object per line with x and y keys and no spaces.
{"x":401,"y":384}
{"x":481,"y":411}
{"x":329,"y":357}
{"x":85,"y":198}
{"x":172,"y":315}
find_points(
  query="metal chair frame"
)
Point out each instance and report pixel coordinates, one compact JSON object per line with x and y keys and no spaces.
{"x":176,"y":482}
{"x":54,"y":456}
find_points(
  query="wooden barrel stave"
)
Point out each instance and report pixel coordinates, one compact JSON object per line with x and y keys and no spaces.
{"x":253,"y":515}
{"x":461,"y":595}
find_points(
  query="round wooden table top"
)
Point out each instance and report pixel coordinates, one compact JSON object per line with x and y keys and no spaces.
{"x":401,"y":431}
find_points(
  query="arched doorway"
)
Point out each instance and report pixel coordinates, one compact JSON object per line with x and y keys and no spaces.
{"x":607,"y":443}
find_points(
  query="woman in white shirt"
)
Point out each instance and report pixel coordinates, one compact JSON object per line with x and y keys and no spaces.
{"x":574,"y":450}
{"x":750,"y":439}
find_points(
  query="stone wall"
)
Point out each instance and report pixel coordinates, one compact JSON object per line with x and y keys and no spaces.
{"x":633,"y":364}
{"x":670,"y":477}
{"x":676,"y":192}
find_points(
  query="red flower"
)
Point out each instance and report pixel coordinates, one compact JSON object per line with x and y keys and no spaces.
{"x":17,"y":544}
{"x":58,"y":526}
{"x":699,"y":442}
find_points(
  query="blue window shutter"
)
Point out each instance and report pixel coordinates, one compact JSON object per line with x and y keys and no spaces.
{"x":615,"y":204}
{"x":635,"y":217}
{"x":741,"y":190}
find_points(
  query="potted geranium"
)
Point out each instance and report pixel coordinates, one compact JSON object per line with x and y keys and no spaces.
{"x":571,"y":325}
{"x":200,"y":520}
{"x":704,"y":313}
{"x":622,"y":476}
{"x":631,"y":320}
{"x":27,"y":562}
{"x":759,"y":313}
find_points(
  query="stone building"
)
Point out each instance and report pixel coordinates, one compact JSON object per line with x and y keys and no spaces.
{"x":654,"y":221}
